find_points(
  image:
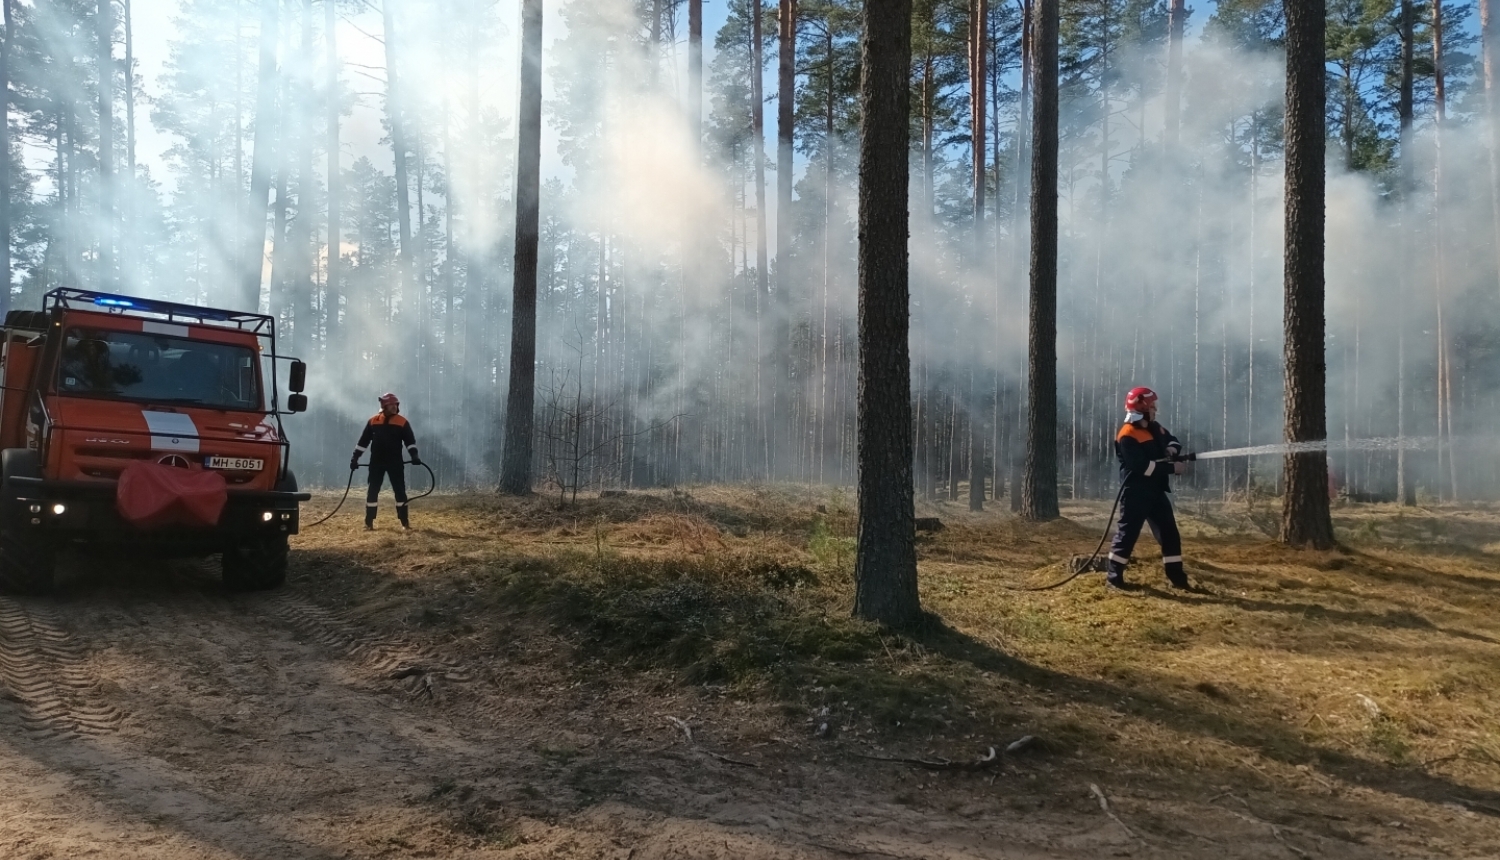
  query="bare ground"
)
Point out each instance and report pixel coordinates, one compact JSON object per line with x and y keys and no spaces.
{"x":495,"y":685}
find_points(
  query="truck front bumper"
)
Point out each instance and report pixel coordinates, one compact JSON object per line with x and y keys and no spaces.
{"x":84,"y":511}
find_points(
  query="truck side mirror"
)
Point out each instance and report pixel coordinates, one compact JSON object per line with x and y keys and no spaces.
{"x":296,"y":403}
{"x":297,"y":379}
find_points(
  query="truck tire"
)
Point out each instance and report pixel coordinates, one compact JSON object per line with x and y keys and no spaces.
{"x":28,"y":563}
{"x":258,"y":564}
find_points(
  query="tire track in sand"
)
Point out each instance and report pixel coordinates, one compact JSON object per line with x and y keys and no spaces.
{"x":418,"y":667}
{"x":42,"y":668}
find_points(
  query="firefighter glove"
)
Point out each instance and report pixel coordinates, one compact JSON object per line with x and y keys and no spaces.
{"x":415,"y":460}
{"x":354,"y":462}
{"x":1179,"y":468}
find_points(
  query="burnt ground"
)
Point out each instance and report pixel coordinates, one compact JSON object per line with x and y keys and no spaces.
{"x":675,"y":675}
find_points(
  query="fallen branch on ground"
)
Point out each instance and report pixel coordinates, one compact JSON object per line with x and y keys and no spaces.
{"x":980,"y":763}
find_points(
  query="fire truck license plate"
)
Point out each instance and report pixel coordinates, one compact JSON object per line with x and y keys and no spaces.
{"x":241,"y":464}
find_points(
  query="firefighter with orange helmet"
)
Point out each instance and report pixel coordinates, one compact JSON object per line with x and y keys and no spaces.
{"x":1149,"y":456}
{"x":388,"y":438}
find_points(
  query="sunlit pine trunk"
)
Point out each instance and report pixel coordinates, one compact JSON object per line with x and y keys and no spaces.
{"x":104,"y":21}
{"x":825,"y":357}
{"x":1489,"y":33}
{"x":762,"y":420}
{"x":253,"y":253}
{"x":395,"y":109}
{"x":1176,"y":23}
{"x":978,"y":55}
{"x":786,"y":94}
{"x":334,"y":171}
{"x":1405,"y":110}
{"x":927,"y":442}
{"x":1015,"y":460}
{"x":1439,"y":275}
{"x":129,"y":257}
{"x":5,"y":201}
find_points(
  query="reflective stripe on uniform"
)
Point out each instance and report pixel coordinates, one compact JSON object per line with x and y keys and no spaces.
{"x":1118,"y":558}
{"x":1150,"y":467}
{"x":1171,"y":559}
{"x":372,"y":504}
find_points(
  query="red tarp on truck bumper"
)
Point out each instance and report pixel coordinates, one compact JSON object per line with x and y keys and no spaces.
{"x":150,"y":495}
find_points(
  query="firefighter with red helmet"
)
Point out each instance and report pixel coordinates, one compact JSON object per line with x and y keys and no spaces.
{"x":388,"y":438}
{"x":1148,"y":458}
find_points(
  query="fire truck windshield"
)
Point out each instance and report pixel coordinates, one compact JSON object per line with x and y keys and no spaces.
{"x":158,"y":369}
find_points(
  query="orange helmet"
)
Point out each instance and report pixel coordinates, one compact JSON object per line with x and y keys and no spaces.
{"x":389,"y":399}
{"x":1139,"y":399}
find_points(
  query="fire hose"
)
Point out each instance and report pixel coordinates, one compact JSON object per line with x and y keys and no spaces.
{"x":432,"y":479}
{"x":1088,"y":565}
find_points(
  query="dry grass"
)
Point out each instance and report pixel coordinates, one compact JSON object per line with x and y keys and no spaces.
{"x":1301,"y":679}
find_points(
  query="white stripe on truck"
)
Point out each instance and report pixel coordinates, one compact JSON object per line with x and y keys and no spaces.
{"x":150,"y":327}
{"x":172,"y":431}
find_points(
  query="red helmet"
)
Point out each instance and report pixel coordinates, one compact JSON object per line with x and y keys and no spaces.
{"x":1139,"y":399}
{"x":389,"y":399}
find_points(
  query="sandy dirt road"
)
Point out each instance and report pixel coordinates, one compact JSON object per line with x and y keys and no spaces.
{"x":154,"y":715}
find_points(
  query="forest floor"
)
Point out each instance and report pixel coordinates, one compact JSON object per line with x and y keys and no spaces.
{"x":675,"y":674}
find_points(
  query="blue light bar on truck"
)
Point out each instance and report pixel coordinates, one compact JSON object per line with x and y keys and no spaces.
{"x":103,"y":301}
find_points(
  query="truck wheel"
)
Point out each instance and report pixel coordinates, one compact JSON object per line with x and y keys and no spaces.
{"x":27,"y":565}
{"x":256,"y":565}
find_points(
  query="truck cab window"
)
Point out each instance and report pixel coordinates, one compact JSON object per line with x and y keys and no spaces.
{"x":157,"y":368}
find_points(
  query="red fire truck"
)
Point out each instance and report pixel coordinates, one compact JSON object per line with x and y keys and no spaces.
{"x":150,"y":424}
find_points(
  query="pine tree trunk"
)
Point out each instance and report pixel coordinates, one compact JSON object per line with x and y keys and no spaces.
{"x":515,"y":477}
{"x":331,"y":299}
{"x":695,"y":69}
{"x":301,"y":243}
{"x":762,"y":276}
{"x":104,"y":20}
{"x":5,"y":158}
{"x":128,"y":250}
{"x":1305,"y":518}
{"x":978,"y":75}
{"x":1489,"y":33}
{"x":885,"y":567}
{"x":1039,"y":493}
{"x":785,"y":104}
{"x":1405,"y":491}
{"x":253,"y":256}
{"x":1176,"y":23}
{"x":395,"y":112}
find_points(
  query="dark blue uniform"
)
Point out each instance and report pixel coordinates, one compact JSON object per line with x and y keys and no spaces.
{"x":1145,"y":500}
{"x":388,"y":439}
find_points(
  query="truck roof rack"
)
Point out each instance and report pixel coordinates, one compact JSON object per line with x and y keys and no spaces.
{"x":74,"y":299}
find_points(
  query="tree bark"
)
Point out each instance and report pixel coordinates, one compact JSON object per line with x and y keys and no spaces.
{"x":695,"y":70}
{"x":785,"y":98}
{"x":104,"y":32}
{"x":1405,"y":493}
{"x":885,"y":567}
{"x":1176,"y":22}
{"x":395,"y":110}
{"x":1305,"y":519}
{"x":515,"y":477}
{"x":979,"y":15}
{"x":1489,"y":32}
{"x":1039,"y":492}
{"x":335,"y":177}
{"x":762,"y":276}
{"x":5,"y":163}
{"x":253,"y":255}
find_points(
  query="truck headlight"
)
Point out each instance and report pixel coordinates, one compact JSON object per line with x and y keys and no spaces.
{"x":59,"y":509}
{"x":266,"y":517}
